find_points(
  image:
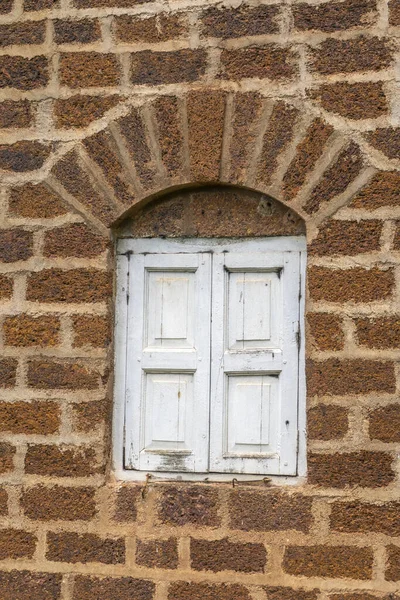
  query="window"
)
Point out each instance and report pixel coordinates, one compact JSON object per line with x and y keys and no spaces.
{"x":208,"y":360}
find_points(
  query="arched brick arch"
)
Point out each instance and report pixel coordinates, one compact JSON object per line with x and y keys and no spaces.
{"x":277,"y":147}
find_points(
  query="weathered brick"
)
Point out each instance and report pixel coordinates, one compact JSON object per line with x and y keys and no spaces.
{"x":362,"y":517}
{"x":25,"y":585}
{"x":392,"y":572}
{"x":226,"y":555}
{"x":23,"y":73}
{"x":103,"y":150}
{"x":49,"y":374}
{"x":171,"y":141}
{"x":91,"y":331}
{"x":89,"y":69}
{"x":68,"y":31}
{"x":379,"y":332}
{"x":88,"y":415}
{"x":350,"y":285}
{"x":6,"y":6}
{"x":394,"y":12}
{"x":358,"y":596}
{"x":80,"y":111}
{"x":54,"y":503}
{"x":24,"y":330}
{"x":336,"y":377}
{"x":28,"y":32}
{"x":16,"y":114}
{"x":160,"y":554}
{"x":382,"y":190}
{"x":72,"y":547}
{"x":364,"y":469}
{"x":269,"y":511}
{"x":387,"y":140}
{"x":75,"y":239}
{"x":156,"y":68}
{"x":7,"y":452}
{"x":245,"y":122}
{"x":8,"y":369}
{"x":3,"y":502}
{"x":126,"y":503}
{"x":265,"y":62}
{"x":357,"y":54}
{"x":15,"y":543}
{"x":23,"y":156}
{"x":362,"y":100}
{"x":182,"y":590}
{"x":347,"y":237}
{"x":33,"y":5}
{"x":189,"y":505}
{"x":242,"y":21}
{"x":327,"y":422}
{"x":336,"y":178}
{"x":205,"y":113}
{"x":396,"y":239}
{"x":73,"y":176}
{"x":334,"y":16}
{"x":351,"y":562}
{"x":384,"y":423}
{"x":60,"y":461}
{"x":135,"y":132}
{"x":278,"y":134}
{"x":122,"y":588}
{"x":74,"y":285}
{"x":37,"y":417}
{"x":326,"y":330}
{"x":6,"y":287}
{"x":35,"y":202}
{"x":15,"y":244}
{"x":286,"y":593}
{"x":307,"y":153}
{"x":150,"y":30}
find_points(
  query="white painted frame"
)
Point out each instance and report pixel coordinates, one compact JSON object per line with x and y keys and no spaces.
{"x":128,"y":246}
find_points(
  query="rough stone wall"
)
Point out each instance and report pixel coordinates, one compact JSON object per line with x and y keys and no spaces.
{"x":104,"y":104}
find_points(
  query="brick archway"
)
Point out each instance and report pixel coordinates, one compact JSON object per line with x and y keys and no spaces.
{"x":205,"y":137}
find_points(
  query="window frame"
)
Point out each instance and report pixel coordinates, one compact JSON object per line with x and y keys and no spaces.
{"x":128,"y":246}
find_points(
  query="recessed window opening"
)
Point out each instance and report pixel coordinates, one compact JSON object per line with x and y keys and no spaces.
{"x":209,"y":355}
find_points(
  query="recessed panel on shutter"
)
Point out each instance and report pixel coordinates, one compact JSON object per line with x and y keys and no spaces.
{"x":167,"y":390}
{"x":254,"y":362}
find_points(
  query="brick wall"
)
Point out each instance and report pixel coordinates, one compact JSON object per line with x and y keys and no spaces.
{"x":104,"y":104}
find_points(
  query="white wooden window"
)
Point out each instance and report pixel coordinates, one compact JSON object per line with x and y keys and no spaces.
{"x":209,"y":359}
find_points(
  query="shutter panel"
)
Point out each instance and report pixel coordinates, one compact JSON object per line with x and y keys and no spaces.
{"x":168,"y":354}
{"x":254,"y":370}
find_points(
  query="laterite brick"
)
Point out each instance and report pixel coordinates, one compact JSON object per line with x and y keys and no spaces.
{"x":382,"y":190}
{"x":326,"y":330}
{"x":126,"y":503}
{"x":15,"y":543}
{"x":363,"y":100}
{"x":7,"y":452}
{"x":393,"y":563}
{"x":75,"y":239}
{"x":364,"y":469}
{"x":42,"y":503}
{"x":223,"y":555}
{"x":16,"y":114}
{"x":286,"y":593}
{"x":80,"y":111}
{"x":189,"y":505}
{"x":349,"y":238}
{"x":336,"y":377}
{"x":3,"y":502}
{"x":242,"y":21}
{"x":26,"y":585}
{"x":269,"y":511}
{"x":23,"y":156}
{"x":15,"y":245}
{"x":71,"y":31}
{"x":157,"y":554}
{"x":151,"y":30}
{"x":74,"y":285}
{"x":327,"y":422}
{"x":89,"y":69}
{"x":91,"y":331}
{"x":40,"y":417}
{"x":24,"y":331}
{"x":35,"y":202}
{"x":182,"y":590}
{"x":334,"y":16}
{"x":157,"y":68}
{"x":379,"y":332}
{"x":112,"y":588}
{"x":351,"y":562}
{"x":60,"y":461}
{"x":28,"y":32}
{"x":384,"y":423}
{"x":8,"y":370}
{"x":347,"y":56}
{"x":72,"y":547}
{"x":48,"y":374}
{"x":350,"y":285}
{"x":266,"y":62}
{"x":23,"y":73}
{"x":362,"y":517}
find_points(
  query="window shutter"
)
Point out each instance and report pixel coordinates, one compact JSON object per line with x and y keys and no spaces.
{"x":168,"y":354}
{"x":254,"y":369}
